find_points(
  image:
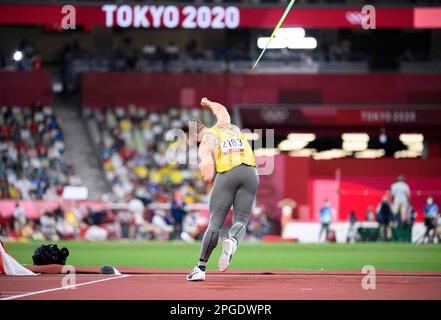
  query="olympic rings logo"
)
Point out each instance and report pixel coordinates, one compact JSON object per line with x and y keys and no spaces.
{"x":354,"y":17}
{"x":272,"y":115}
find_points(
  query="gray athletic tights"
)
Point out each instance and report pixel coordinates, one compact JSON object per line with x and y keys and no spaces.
{"x":236,"y":187}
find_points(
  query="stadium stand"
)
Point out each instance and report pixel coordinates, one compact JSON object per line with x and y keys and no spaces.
{"x":32,"y":148}
{"x":132,"y":145}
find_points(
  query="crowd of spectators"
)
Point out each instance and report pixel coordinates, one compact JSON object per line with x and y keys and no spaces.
{"x":80,"y":221}
{"x":32,"y":154}
{"x":51,"y":225}
{"x":137,"y":149}
{"x":132,"y":144}
{"x":143,"y":158}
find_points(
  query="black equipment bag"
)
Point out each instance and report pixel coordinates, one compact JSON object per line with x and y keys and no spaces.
{"x":50,"y":254}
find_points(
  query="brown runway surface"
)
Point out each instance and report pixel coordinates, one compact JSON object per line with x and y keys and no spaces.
{"x":138,"y":283}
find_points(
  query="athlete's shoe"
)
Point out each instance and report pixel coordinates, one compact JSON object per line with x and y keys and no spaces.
{"x":196,"y":275}
{"x":228,"y":249}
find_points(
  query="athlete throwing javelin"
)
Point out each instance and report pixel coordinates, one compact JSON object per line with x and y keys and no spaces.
{"x":225,"y":156}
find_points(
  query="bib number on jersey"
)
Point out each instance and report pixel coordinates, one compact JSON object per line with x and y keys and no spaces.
{"x":233,"y":144}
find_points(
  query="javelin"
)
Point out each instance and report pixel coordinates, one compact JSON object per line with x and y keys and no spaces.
{"x":275,"y":31}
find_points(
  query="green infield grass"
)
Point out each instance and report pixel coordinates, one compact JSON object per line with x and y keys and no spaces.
{"x":250,"y":256}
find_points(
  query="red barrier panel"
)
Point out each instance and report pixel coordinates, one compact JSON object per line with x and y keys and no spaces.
{"x":24,"y":88}
{"x":377,"y":167}
{"x":34,"y":208}
{"x":160,"y":90}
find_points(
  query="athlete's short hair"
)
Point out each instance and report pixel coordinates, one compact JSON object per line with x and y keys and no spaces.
{"x":193,"y":123}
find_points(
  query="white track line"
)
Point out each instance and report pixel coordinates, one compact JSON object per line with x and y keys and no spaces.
{"x":245,"y":276}
{"x":62,"y":288}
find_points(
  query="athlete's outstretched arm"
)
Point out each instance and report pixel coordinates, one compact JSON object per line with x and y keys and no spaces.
{"x":205,"y":151}
{"x":218,"y":110}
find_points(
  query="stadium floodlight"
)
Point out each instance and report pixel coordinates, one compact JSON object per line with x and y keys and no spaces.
{"x":303,"y":43}
{"x":296,"y":141}
{"x":302,"y":136}
{"x":289,"y":145}
{"x":290,"y":38}
{"x":354,"y":145}
{"x":370,"y":154}
{"x":330,"y":154}
{"x":290,"y":33}
{"x":408,"y":138}
{"x":275,"y":44}
{"x":282,"y":43}
{"x":266,"y":152}
{"x":307,"y":152}
{"x":418,"y":147}
{"x":407,"y":154}
{"x":17,"y":56}
{"x":361,"y":137}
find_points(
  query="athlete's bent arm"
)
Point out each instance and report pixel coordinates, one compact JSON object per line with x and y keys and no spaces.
{"x":218,"y":110}
{"x":206,"y":155}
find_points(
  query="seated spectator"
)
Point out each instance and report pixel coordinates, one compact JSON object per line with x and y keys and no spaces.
{"x":140,"y":225}
{"x":48,"y":226}
{"x":125,"y":221}
{"x":96,"y":233}
{"x":33,"y":231}
{"x":163,"y":228}
{"x":95,"y":217}
{"x":193,"y":226}
{"x":73,"y":217}
{"x":258,"y":225}
{"x":65,"y":229}
{"x":189,"y":227}
{"x":28,"y":230}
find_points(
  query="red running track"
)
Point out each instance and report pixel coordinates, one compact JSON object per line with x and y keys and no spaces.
{"x":137,"y":284}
